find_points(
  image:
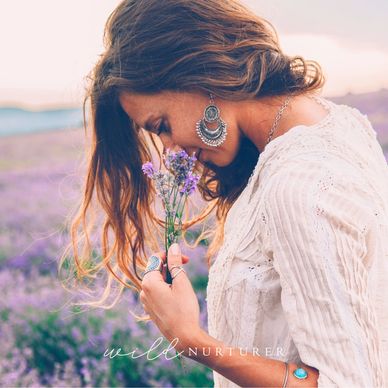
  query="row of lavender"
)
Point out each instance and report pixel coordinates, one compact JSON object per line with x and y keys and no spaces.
{"x":46,"y":343}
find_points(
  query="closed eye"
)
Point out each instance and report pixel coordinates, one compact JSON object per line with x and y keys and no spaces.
{"x":162,"y":128}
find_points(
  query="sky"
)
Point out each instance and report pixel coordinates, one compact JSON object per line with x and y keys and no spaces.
{"x":49,"y":46}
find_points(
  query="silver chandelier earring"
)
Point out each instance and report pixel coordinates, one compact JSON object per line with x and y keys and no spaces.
{"x":212,"y":137}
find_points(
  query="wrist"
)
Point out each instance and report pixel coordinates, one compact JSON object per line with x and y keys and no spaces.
{"x":205,"y":349}
{"x":193,"y":342}
{"x":190,"y":339}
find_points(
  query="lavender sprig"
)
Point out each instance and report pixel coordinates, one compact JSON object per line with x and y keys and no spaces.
{"x":173,"y":186}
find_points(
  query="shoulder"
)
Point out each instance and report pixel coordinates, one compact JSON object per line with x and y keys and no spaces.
{"x":345,"y":133}
{"x":310,"y":169}
{"x":318,"y":184}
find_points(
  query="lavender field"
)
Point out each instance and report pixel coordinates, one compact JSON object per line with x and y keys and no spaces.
{"x":44,"y":340}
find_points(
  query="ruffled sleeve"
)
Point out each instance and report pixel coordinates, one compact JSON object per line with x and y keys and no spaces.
{"x":318,"y":217}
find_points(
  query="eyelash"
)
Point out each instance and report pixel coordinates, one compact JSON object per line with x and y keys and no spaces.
{"x":162,"y":128}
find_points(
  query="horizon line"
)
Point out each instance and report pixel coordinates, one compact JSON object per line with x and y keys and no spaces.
{"x":64,"y":106}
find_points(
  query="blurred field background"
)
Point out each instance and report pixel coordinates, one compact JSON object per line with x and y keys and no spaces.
{"x":45,"y":341}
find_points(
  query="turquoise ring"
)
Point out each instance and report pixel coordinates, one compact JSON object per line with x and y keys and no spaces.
{"x":300,"y":373}
{"x":155,"y":263}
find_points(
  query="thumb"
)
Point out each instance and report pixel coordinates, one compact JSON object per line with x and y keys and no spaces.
{"x":174,"y":257}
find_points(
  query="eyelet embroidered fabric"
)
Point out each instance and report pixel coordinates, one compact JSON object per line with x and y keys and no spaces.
{"x":243,"y":286}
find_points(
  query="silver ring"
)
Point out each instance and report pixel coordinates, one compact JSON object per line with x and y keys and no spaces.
{"x":177,"y":273}
{"x":175,"y":266}
{"x":149,"y":270}
{"x":155,"y":263}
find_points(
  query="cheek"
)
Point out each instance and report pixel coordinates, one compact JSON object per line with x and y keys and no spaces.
{"x":186,"y":136}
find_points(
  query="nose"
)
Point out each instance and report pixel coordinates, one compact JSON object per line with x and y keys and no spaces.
{"x":190,"y":151}
{"x":167,"y":143}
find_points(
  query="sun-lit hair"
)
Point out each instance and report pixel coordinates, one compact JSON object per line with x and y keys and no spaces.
{"x":217,"y":46}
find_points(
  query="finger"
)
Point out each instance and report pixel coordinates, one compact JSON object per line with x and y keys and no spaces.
{"x":153,"y":277}
{"x":142,"y":296}
{"x":143,"y":302}
{"x":163,"y":273}
{"x":145,"y":309}
{"x":175,"y":258}
{"x":162,"y":255}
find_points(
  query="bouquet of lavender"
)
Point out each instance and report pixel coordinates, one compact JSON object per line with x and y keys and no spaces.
{"x":173,"y":186}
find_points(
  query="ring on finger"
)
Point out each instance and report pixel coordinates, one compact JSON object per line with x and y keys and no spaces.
{"x":177,"y":266}
{"x":177,"y":273}
{"x":155,"y":263}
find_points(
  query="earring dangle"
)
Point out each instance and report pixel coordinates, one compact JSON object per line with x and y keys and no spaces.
{"x":212,"y":137}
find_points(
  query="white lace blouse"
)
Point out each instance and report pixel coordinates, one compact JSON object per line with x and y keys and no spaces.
{"x":302,"y":274}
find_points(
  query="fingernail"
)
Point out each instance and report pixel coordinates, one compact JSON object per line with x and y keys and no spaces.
{"x":175,"y":249}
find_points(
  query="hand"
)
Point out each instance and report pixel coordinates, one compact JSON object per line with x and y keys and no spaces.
{"x":174,"y":308}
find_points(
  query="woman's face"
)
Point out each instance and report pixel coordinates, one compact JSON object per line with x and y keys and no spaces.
{"x":174,"y":116}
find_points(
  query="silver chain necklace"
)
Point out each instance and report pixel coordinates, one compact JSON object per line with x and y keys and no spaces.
{"x":277,"y":118}
{"x":274,"y":126}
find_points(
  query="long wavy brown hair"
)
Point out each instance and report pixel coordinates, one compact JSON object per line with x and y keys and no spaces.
{"x":217,"y":46}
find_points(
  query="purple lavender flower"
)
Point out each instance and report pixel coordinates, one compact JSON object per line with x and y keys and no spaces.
{"x":163,"y":185}
{"x":179,"y":164}
{"x":190,"y":184}
{"x":148,"y":169}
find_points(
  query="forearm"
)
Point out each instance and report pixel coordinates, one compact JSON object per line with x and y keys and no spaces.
{"x":244,"y":368}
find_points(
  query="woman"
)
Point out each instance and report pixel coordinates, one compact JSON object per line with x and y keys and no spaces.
{"x":299,"y":183}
